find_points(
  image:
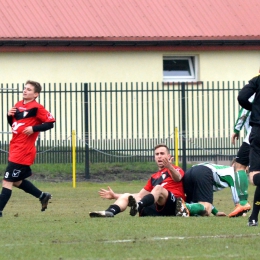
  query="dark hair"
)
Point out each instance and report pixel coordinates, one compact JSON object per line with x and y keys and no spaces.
{"x":37,"y":86}
{"x":162,"y":145}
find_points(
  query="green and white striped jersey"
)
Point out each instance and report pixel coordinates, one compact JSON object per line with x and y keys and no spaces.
{"x":243,"y":121}
{"x":224,"y":176}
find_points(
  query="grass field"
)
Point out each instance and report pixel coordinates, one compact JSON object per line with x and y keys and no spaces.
{"x":65,"y":231}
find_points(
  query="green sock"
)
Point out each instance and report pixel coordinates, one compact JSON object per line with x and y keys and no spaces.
{"x":241,"y":182}
{"x":195,"y":208}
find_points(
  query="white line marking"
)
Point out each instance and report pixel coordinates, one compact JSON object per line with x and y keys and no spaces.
{"x":181,"y":238}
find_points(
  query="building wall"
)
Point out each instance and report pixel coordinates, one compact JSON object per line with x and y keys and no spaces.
{"x":61,"y":67}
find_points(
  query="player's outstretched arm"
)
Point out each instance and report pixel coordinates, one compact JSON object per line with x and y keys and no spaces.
{"x":108,"y":194}
{"x":174,"y":173}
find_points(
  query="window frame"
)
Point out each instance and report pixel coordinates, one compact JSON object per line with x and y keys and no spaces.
{"x":193,"y":65}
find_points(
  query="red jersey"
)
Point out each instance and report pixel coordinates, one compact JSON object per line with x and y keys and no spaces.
{"x":163,"y":178}
{"x":22,"y":147}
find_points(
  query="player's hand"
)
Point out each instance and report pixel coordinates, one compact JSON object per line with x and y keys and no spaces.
{"x":168,"y":162}
{"x":107,"y":194}
{"x":221,"y":214}
{"x":12,"y":111}
{"x":234,"y":137}
{"x":28,"y":130}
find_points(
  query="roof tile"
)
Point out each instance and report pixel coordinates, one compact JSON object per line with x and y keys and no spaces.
{"x":129,"y":19}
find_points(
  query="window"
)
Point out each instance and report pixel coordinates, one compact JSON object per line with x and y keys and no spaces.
{"x":179,"y":68}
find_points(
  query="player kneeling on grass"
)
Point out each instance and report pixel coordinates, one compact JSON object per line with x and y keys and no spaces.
{"x":202,"y":180}
{"x":163,"y":192}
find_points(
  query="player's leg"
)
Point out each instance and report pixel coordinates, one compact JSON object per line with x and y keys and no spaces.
{"x":168,"y":206}
{"x":5,"y":194}
{"x":199,"y":185}
{"x":24,"y":171}
{"x":158,"y":195}
{"x":154,"y":210}
{"x":120,"y":205}
{"x":149,"y":211}
{"x":254,"y":175}
{"x":189,"y":180}
{"x":241,"y":180}
{"x":197,"y":209}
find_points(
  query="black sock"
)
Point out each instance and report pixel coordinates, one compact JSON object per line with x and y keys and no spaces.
{"x":256,"y":205}
{"x":4,"y":197}
{"x":115,"y":209}
{"x":28,"y":187}
{"x":146,"y":201}
{"x":256,"y":179}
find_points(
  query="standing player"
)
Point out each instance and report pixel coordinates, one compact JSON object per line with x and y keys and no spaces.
{"x":242,"y":161}
{"x":253,"y":87}
{"x":27,"y":118}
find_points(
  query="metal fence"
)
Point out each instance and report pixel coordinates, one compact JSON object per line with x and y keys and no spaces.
{"x":122,"y":122}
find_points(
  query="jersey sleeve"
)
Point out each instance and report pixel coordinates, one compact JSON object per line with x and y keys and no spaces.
{"x":44,"y":115}
{"x":179,"y":169}
{"x":148,"y":186}
{"x":243,"y":115}
{"x":246,"y":92}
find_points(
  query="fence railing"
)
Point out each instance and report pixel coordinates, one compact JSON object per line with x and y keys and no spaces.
{"x":116,"y":122}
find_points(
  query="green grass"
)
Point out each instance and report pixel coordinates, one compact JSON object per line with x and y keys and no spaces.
{"x":64,"y":168}
{"x":65,"y":231}
{"x":51,"y":171}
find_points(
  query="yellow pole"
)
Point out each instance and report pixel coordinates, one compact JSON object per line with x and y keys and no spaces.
{"x":74,"y":159}
{"x":176,"y":142}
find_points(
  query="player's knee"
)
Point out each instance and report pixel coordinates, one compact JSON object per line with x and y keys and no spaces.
{"x":256,"y":179}
{"x":158,"y":188}
{"x":208,"y":207}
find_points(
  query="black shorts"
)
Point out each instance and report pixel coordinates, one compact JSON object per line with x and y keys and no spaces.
{"x":254,"y":155}
{"x":169,"y":208}
{"x":198,"y":184}
{"x":243,"y":154}
{"x":17,"y":172}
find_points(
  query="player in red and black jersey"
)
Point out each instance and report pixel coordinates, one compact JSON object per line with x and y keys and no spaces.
{"x":27,"y":118}
{"x":163,"y":194}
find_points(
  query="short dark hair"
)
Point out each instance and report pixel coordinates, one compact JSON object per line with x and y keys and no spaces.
{"x":37,"y":85}
{"x":162,"y":145}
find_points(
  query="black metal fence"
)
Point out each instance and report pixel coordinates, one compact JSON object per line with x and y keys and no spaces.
{"x":122,"y":122}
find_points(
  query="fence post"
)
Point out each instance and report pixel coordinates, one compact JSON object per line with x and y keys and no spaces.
{"x":183,"y":103}
{"x":87,"y":175}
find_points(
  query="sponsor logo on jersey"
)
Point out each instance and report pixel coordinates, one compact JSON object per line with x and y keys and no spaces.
{"x":49,"y":116}
{"x":15,"y":126}
{"x":16,"y":173}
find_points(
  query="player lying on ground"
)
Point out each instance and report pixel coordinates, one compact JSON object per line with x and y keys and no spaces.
{"x":164,"y":189}
{"x":195,"y":209}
